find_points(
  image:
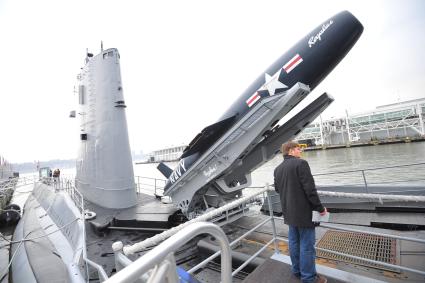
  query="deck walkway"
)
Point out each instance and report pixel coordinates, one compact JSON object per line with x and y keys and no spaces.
{"x":277,"y":269}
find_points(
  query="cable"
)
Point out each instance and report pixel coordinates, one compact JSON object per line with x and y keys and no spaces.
{"x":5,"y":271}
{"x":8,"y":210}
{"x":59,"y":229}
{"x":30,"y":239}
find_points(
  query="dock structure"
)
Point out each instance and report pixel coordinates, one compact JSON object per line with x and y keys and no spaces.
{"x":392,"y":123}
{"x":166,"y":154}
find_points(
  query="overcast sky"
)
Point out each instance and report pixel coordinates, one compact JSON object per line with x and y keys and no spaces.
{"x":184,"y":62}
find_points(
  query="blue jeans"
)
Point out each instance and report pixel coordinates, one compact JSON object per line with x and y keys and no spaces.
{"x":302,"y":252}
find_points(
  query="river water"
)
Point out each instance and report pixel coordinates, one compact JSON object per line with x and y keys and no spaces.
{"x":324,"y":162}
{"x":378,"y":164}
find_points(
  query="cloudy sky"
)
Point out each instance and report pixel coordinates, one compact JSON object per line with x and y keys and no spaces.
{"x":184,"y":62}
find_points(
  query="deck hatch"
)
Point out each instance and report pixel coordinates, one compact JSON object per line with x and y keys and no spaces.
{"x":378,"y":248}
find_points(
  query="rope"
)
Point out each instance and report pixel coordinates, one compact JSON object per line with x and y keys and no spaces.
{"x":378,"y":197}
{"x":39,"y":237}
{"x":5,"y":271}
{"x":155,"y":240}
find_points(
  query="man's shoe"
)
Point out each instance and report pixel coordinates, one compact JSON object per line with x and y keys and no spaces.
{"x":320,"y":279}
{"x":295,"y":276}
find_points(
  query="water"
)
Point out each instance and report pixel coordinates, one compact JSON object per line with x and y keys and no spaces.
{"x":324,"y":162}
{"x":336,"y":160}
{"x":341,"y":160}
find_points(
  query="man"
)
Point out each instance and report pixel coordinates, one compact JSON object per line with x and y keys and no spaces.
{"x":298,"y":196}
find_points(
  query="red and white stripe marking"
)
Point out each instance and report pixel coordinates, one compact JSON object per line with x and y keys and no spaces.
{"x":254,"y":98}
{"x":295,"y":61}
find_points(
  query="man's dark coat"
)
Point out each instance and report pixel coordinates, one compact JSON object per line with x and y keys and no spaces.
{"x":298,"y":194}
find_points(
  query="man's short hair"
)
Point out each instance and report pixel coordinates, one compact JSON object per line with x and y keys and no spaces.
{"x":286,"y":147}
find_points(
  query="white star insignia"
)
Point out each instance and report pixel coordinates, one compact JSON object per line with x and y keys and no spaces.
{"x":273,"y":83}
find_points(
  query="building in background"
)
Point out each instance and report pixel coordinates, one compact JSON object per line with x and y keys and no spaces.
{"x":392,"y":122}
{"x":166,"y":154}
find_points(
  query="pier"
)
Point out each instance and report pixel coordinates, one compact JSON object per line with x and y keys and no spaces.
{"x":387,"y":124}
{"x":368,"y":143}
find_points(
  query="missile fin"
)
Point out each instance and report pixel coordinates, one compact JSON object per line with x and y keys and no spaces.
{"x":164,"y":169}
{"x":207,"y":137}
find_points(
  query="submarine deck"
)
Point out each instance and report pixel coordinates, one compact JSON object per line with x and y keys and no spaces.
{"x":275,"y":267}
{"x":150,"y":214}
{"x":403,"y":252}
{"x":275,"y":271}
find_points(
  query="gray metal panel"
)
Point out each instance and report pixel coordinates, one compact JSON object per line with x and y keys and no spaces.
{"x":37,"y":260}
{"x":332,"y":274}
{"x":42,"y":255}
{"x":275,"y":271}
{"x":52,"y":255}
{"x":62,"y":210}
{"x":158,"y":212}
{"x":21,"y":265}
{"x":4,"y":258}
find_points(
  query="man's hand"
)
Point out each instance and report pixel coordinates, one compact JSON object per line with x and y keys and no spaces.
{"x":324,"y":212}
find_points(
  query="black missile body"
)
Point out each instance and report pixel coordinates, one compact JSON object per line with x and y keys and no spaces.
{"x":309,"y":61}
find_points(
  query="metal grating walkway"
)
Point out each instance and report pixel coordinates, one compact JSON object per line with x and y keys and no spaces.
{"x":363,"y":245}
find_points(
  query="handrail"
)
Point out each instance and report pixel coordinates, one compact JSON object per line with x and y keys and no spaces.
{"x":367,"y":183}
{"x":207,"y":260}
{"x":136,"y":269}
{"x":353,"y":195}
{"x":370,"y":169}
{"x":155,"y":240}
{"x":156,"y":184}
{"x":72,"y":191}
{"x":144,"y":244}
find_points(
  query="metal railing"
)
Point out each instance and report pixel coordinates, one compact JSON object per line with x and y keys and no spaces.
{"x":68,"y":185}
{"x":150,"y":185}
{"x":374,"y":176}
{"x":134,"y":270}
{"x":120,"y":252}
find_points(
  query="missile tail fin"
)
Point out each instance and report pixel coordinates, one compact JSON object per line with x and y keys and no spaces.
{"x":164,"y":169}
{"x":208,"y":137}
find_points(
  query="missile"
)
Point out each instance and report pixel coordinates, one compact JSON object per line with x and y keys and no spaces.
{"x":219,"y":147}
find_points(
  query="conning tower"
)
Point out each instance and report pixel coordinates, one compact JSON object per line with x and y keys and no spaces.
{"x":104,"y":166}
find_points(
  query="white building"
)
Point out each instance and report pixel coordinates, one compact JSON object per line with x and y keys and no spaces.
{"x":393,"y":121}
{"x":166,"y":154}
